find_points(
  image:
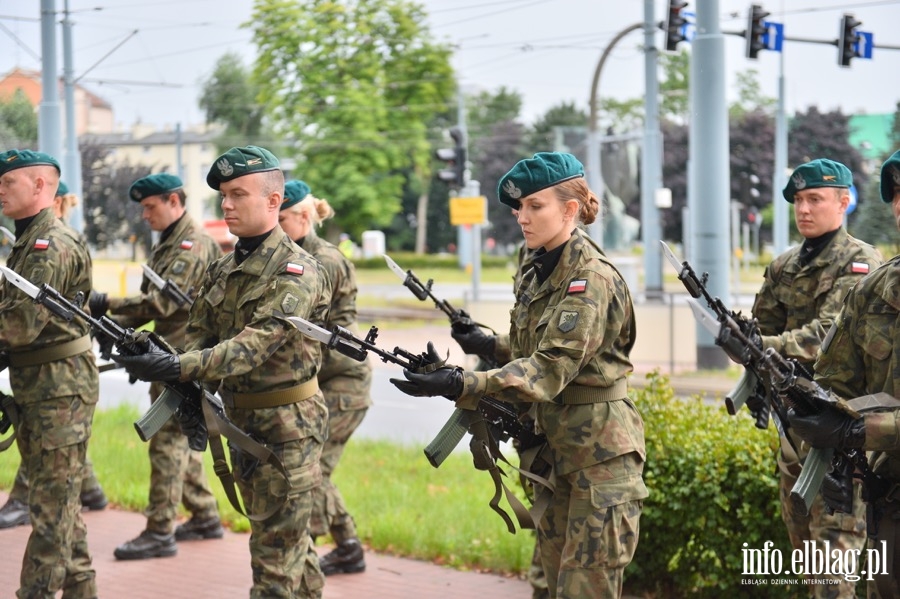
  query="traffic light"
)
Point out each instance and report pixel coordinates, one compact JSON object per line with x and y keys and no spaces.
{"x":847,"y":47}
{"x":674,"y":23}
{"x":455,"y":158}
{"x":753,"y":216}
{"x":756,"y":29}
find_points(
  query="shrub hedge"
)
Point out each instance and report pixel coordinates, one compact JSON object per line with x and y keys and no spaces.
{"x":713,"y":487}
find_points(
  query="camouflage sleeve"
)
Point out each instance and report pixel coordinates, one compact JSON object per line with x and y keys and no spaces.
{"x":343,"y":284}
{"x":184,"y":268}
{"x":263,"y":334}
{"x":562,"y":351}
{"x":882,"y":431}
{"x":502,"y":349}
{"x":62,"y":267}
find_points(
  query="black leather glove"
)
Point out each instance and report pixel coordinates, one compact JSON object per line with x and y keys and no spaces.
{"x":4,"y":361}
{"x":444,"y":380}
{"x":98,"y":303}
{"x":474,"y":341}
{"x":837,"y":488}
{"x":193,"y":424}
{"x":829,"y":428}
{"x":154,"y":365}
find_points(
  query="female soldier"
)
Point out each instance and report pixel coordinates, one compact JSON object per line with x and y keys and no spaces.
{"x":571,"y":331}
{"x":344,"y":381}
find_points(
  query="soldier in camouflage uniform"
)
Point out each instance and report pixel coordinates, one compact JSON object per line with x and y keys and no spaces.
{"x":571,"y":331}
{"x":53,"y":378}
{"x":345,"y":383}
{"x":860,"y":357}
{"x":266,"y":370}
{"x":799,"y":299}
{"x":15,"y":511}
{"x":182,"y":255}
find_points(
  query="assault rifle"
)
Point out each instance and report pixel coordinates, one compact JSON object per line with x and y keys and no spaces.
{"x":789,"y":385}
{"x":492,"y":422}
{"x":7,"y":410}
{"x":168,"y":287}
{"x":200,"y":413}
{"x":459,"y":320}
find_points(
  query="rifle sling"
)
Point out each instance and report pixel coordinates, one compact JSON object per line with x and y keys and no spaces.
{"x":486,"y":452}
{"x":580,"y":394}
{"x":218,"y":426}
{"x":270,"y":399}
{"x":43,"y":355}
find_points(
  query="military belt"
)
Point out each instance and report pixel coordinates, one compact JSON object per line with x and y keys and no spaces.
{"x":50,"y":354}
{"x":580,"y":394}
{"x":270,"y":399}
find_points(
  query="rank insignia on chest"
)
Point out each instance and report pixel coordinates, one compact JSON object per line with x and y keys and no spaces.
{"x":567,"y":320}
{"x":294,"y":269}
{"x":41,"y":244}
{"x":577,"y":286}
{"x":859,"y":267}
{"x":187,"y":244}
{"x":289,"y":303}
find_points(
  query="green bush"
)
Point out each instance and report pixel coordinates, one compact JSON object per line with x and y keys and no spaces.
{"x":713,"y":487}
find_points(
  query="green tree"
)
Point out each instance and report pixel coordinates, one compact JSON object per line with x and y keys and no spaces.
{"x":352,"y":84}
{"x":542,"y":136}
{"x":229,"y":98}
{"x":18,"y":122}
{"x":750,"y":96}
{"x":673,"y":86}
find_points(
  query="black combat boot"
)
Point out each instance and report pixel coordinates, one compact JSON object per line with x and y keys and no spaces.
{"x":346,"y":558}
{"x":146,"y":545}
{"x":197,"y":529}
{"x":14,"y":513}
{"x":93,"y":500}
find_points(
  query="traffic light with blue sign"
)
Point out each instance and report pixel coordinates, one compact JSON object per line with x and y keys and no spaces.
{"x":853,"y":43}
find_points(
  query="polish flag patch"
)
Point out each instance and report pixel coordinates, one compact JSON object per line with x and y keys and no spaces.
{"x":294,"y":269}
{"x":577,"y":286}
{"x":187,"y":244}
{"x":859,"y":267}
{"x":41,"y":244}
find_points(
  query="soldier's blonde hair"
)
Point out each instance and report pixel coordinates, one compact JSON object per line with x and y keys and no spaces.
{"x":578,"y":190}
{"x":319,"y":210}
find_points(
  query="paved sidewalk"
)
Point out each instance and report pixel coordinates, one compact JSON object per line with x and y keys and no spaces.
{"x":220,"y":569}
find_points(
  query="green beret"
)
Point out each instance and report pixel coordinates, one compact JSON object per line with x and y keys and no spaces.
{"x":890,"y":177}
{"x":295,"y":191}
{"x":154,"y":185}
{"x":238,"y":162}
{"x":544,"y":170}
{"x":817,"y":173}
{"x":62,"y":190}
{"x":13,"y":159}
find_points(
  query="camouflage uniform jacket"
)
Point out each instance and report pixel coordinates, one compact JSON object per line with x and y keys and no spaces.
{"x":342,"y":311}
{"x":236,"y":335}
{"x":48,"y":252}
{"x":861,"y":358}
{"x":573,"y":331}
{"x":182,"y":258}
{"x":797,"y":304}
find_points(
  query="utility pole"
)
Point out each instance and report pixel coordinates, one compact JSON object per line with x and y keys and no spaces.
{"x":709,"y":168}
{"x":48,"y":112}
{"x":780,"y":216}
{"x":72,"y":160}
{"x":651,"y":163}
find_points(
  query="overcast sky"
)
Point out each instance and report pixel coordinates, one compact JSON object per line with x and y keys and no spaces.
{"x":148,"y":59}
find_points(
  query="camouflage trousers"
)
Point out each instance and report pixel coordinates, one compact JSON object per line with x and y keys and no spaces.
{"x":283,"y":560}
{"x":586,"y":537}
{"x":842,"y":531}
{"x":886,"y":586}
{"x":19,"y":491}
{"x":176,"y":477}
{"x":53,"y":453}
{"x":330,"y":514}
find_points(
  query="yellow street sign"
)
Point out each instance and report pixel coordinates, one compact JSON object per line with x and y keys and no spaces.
{"x":468,"y":211}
